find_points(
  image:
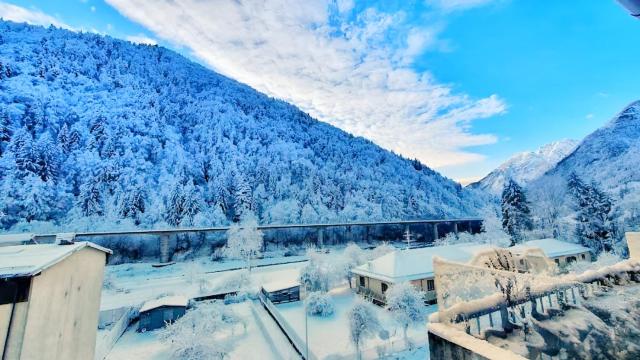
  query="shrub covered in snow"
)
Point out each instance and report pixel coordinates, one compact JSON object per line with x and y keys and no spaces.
{"x":203,"y":333}
{"x":319,"y":304}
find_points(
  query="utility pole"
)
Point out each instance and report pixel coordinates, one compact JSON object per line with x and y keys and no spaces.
{"x":306,"y":332}
{"x":407,"y":237}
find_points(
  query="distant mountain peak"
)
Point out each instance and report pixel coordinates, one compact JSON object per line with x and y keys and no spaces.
{"x":526,"y":166}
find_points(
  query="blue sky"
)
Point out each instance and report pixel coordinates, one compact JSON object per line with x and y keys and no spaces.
{"x":460,"y":84}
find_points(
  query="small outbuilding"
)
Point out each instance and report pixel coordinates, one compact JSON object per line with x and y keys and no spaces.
{"x":157,"y":313}
{"x":50,"y":300}
{"x":282,"y":291}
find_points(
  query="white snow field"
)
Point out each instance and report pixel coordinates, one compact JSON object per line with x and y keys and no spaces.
{"x":133,"y":284}
{"x":261,"y":340}
{"x":329,"y":336}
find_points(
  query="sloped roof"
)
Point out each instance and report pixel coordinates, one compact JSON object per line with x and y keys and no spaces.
{"x":552,"y":247}
{"x":414,"y":264}
{"x":176,"y":300}
{"x":30,"y":260}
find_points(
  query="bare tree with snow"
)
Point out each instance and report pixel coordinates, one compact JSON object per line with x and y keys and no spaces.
{"x":363,"y":324}
{"x":244,"y":241}
{"x":406,"y":304}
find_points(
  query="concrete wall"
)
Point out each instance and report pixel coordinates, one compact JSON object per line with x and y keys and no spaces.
{"x":63,"y":307}
{"x":633,"y":242}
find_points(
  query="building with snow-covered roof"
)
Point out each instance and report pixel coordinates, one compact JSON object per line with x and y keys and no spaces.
{"x":50,"y":299}
{"x":282,"y":291}
{"x":375,"y":277}
{"x":155,"y":314}
{"x":561,"y":252}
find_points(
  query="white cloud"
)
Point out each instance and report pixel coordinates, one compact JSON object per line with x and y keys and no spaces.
{"x":346,"y":74}
{"x":454,"y":5}
{"x":35,"y":17}
{"x":142,"y":39}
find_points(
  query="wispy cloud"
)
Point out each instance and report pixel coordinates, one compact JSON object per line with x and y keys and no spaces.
{"x":31,"y":16}
{"x":142,"y":39}
{"x":333,"y":62}
{"x":455,"y":5}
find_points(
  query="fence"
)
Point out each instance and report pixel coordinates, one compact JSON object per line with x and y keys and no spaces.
{"x":298,"y":343}
{"x":499,"y":299}
{"x":113,"y":324}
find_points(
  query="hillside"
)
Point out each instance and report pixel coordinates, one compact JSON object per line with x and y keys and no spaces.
{"x":97,"y":132}
{"x":610,"y":156}
{"x":525,"y":167}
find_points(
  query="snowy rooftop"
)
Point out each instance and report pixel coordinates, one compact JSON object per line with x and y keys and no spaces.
{"x":551,"y":247}
{"x":175,"y":300}
{"x":414,"y":264}
{"x":280,"y":285}
{"x":29,"y":260}
{"x":15,"y":239}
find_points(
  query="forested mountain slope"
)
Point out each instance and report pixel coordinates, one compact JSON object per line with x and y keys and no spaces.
{"x":610,"y":157}
{"x":101,"y":133}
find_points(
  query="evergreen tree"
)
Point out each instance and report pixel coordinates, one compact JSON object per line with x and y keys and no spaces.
{"x":5,"y":130}
{"x":22,"y":147}
{"x":243,"y":198}
{"x":594,"y":225}
{"x":184,"y":202}
{"x":47,"y":156}
{"x":89,"y":199}
{"x":133,"y":203}
{"x":516,"y":215}
{"x":63,"y":139}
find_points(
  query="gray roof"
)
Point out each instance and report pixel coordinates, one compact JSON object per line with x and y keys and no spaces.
{"x":30,"y":260}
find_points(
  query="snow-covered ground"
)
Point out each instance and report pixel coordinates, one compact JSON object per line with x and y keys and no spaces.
{"x":261,"y":340}
{"x":133,"y":284}
{"x":329,"y":336}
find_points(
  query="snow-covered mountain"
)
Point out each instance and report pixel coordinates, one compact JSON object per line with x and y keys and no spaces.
{"x":526,"y":166}
{"x":96,"y":132}
{"x":610,"y":156}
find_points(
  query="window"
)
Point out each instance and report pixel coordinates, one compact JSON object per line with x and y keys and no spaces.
{"x":557,"y":261}
{"x":384,"y":287}
{"x":571,"y":259}
{"x":362,"y":281}
{"x":583,"y":257}
{"x":167,"y":314}
{"x":431,"y":285}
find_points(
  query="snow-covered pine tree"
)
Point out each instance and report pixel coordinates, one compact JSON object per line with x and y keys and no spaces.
{"x":243,"y":197}
{"x":5,"y":130}
{"x":63,"y":138}
{"x":516,"y":215}
{"x":594,"y":224}
{"x":47,"y":158}
{"x":22,"y":147}
{"x":90,"y":199}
